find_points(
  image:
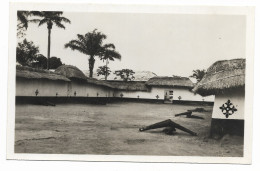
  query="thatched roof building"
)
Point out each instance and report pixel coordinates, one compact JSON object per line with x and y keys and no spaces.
{"x":129,"y":85}
{"x":221,"y":76}
{"x":32,"y":73}
{"x":74,"y":73}
{"x":71,"y":72}
{"x":174,"y":81}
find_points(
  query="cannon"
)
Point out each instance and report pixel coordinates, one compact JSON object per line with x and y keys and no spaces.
{"x":170,"y":127}
{"x":189,"y":115}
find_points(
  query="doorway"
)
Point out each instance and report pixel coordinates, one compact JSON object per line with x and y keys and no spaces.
{"x":168,"y":95}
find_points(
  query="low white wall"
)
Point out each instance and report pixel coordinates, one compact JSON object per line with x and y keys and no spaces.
{"x":27,"y":87}
{"x":184,"y":93}
{"x":187,"y":95}
{"x":236,"y":97}
{"x":90,"y":90}
{"x":151,"y":94}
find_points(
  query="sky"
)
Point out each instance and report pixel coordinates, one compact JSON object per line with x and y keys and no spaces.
{"x":166,"y":44}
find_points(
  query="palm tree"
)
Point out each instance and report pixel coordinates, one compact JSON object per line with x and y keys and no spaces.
{"x":91,"y":44}
{"x":198,"y":74}
{"x":109,"y":53}
{"x":22,"y":25}
{"x":50,"y":18}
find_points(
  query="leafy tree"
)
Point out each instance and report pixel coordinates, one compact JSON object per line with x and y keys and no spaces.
{"x":198,"y":74}
{"x":55,"y":62}
{"x":103,"y":70}
{"x":26,"y":53}
{"x":109,"y":53}
{"x":125,"y":74}
{"x":41,"y":62}
{"x":50,"y":18}
{"x":91,"y":44}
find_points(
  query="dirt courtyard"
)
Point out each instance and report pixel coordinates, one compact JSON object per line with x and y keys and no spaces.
{"x":113,"y":129}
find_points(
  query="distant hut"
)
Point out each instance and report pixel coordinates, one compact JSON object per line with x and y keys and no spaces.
{"x":226,"y":80}
{"x":36,"y":82}
{"x":82,"y":86}
{"x":175,"y":89}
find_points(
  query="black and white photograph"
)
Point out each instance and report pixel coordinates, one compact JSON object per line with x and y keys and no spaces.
{"x":130,"y":83}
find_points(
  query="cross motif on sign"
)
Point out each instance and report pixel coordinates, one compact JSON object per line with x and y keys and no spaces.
{"x":36,"y":92}
{"x":228,"y":108}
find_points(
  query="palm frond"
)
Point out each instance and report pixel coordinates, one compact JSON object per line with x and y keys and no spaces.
{"x":65,"y":20}
{"x":43,"y":21}
{"x":22,"y":16}
{"x":58,"y":24}
{"x":78,"y":43}
{"x":110,"y":45}
{"x":34,"y":20}
{"x":75,"y":47}
{"x":36,"y":13}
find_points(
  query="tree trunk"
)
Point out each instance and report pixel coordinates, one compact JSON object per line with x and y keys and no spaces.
{"x":49,"y":48}
{"x":91,"y":63}
{"x":106,"y":70}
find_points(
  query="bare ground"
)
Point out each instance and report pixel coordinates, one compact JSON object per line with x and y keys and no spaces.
{"x":113,"y":129}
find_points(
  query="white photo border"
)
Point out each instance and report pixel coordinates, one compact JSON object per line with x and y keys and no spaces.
{"x":87,"y":7}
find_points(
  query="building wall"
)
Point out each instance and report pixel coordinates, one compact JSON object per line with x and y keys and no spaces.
{"x":186,"y":94}
{"x":151,"y":94}
{"x":236,"y":97}
{"x":233,"y":124}
{"x":89,"y":90}
{"x":27,"y":87}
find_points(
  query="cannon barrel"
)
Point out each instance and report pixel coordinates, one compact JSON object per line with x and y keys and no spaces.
{"x":184,"y":129}
{"x":167,"y":123}
{"x":162,"y":124}
{"x":188,"y":113}
{"x":195,"y":117}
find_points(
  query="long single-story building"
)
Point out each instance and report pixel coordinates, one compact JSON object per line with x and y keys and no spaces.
{"x":66,"y":84}
{"x":69,"y":82}
{"x":226,"y":80}
{"x":164,"y":89}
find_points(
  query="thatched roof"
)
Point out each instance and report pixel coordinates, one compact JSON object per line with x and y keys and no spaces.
{"x":174,"y":81}
{"x":32,"y":73}
{"x":70,"y":71}
{"x":73,"y":72}
{"x":99,"y":82}
{"x":221,"y":76}
{"x":129,"y":85}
